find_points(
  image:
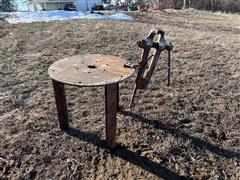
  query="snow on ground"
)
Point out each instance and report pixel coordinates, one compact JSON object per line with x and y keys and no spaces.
{"x":28,"y":17}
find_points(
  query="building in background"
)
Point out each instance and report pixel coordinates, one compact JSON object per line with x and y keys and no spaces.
{"x":86,"y":5}
{"x":51,"y":5}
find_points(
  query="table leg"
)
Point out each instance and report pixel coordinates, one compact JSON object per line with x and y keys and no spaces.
{"x":61,"y":104}
{"x":111,"y":99}
{"x":118,"y":108}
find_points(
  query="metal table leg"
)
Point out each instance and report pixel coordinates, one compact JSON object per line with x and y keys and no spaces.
{"x":61,"y":104}
{"x":111,"y":105}
{"x":118,"y":108}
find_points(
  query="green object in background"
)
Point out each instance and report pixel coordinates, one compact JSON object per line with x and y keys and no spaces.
{"x":132,"y":7}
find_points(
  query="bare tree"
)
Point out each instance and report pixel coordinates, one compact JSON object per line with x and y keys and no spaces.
{"x":184,"y":4}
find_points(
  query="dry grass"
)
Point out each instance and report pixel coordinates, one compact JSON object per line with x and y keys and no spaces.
{"x":190,"y":129}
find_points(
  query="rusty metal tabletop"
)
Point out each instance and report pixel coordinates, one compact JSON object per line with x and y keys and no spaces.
{"x":90,"y":70}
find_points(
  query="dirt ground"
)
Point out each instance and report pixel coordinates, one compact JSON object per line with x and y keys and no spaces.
{"x":187,"y":130}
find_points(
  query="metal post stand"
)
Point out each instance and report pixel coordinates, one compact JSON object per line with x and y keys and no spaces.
{"x":111,"y":105}
{"x":61,"y":104}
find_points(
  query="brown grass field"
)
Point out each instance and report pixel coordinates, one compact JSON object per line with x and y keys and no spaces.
{"x":188,"y":130}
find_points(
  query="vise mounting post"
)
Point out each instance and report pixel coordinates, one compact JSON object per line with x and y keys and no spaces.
{"x":148,"y":63}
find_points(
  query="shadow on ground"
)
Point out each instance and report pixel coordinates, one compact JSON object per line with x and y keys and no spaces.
{"x":127,"y":155}
{"x":144,"y":162}
{"x":196,"y":142}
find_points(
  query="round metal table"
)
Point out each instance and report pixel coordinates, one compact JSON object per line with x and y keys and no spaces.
{"x":90,"y":70}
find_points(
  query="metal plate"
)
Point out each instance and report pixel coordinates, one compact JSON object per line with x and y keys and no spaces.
{"x":90,"y":70}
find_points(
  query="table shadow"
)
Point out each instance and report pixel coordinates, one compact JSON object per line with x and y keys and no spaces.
{"x":124,"y":153}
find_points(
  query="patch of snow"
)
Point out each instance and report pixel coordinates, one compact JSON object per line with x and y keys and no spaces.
{"x":121,"y":16}
{"x":28,"y":17}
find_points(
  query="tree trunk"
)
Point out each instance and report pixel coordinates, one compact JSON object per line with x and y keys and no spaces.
{"x":184,"y":4}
